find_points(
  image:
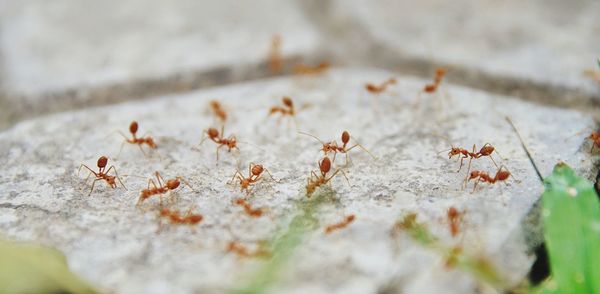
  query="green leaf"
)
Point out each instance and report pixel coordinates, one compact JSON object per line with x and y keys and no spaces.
{"x":31,"y":268}
{"x":571,"y":217}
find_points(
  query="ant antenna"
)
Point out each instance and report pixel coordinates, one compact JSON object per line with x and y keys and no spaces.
{"x":307,"y":134}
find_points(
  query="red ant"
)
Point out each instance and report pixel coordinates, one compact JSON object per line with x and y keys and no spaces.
{"x":440,"y":72}
{"x":486,"y":150}
{"x":133,"y":128}
{"x":162,"y":188}
{"x":315,"y":180}
{"x":102,"y":174}
{"x":253,"y":212}
{"x":177,"y":218}
{"x":338,"y":226}
{"x":275,"y":60}
{"x":375,"y":89}
{"x":333,"y":147}
{"x":215,"y":136}
{"x":301,"y":69}
{"x":218,"y":110}
{"x":286,"y":109}
{"x":254,"y":175}
{"x":242,"y":251}
{"x":502,"y":174}
{"x":455,"y":219}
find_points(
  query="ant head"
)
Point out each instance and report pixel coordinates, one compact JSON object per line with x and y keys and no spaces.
{"x":239,"y":201}
{"x":474,"y":174}
{"x":345,"y":137}
{"x":133,"y":127}
{"x":486,"y":150}
{"x":453,"y":152}
{"x":452,"y":212}
{"x":102,"y":161}
{"x":232,"y":142}
{"x":325,"y":165}
{"x":350,"y":218}
{"x":172,"y":184}
{"x":287,"y":101}
{"x":257,"y":169}
{"x":215,"y":104}
{"x":212,"y":132}
{"x":595,"y":135}
{"x":503,"y":175}
{"x":111,"y":181}
{"x":440,"y":71}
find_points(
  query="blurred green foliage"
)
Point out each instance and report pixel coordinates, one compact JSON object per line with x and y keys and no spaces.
{"x":571,"y":218}
{"x":31,"y":268}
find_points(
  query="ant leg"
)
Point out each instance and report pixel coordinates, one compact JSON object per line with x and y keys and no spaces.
{"x":343,"y":173}
{"x":118,"y":178}
{"x":468,"y":170}
{"x":364,"y":149}
{"x":151,"y":181}
{"x":83,"y":165}
{"x":218,"y":152}
{"x":121,"y":149}
{"x":493,"y":160}
{"x":475,"y":185}
{"x":142,"y":149}
{"x":461,"y":163}
{"x":93,"y":183}
{"x":270,"y":175}
{"x":186,"y":182}
{"x":160,"y":179}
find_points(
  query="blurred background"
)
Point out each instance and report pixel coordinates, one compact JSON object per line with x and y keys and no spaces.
{"x":65,"y":54}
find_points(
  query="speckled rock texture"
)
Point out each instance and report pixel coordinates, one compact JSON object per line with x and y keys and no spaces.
{"x":123,"y":249}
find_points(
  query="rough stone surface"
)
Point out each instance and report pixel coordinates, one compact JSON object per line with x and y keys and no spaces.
{"x":117,"y":247}
{"x":60,"y":54}
{"x":536,"y":50}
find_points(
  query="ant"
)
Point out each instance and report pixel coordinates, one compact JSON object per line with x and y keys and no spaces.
{"x":214,"y":135}
{"x":440,"y":72}
{"x":486,"y":150}
{"x":177,"y":218}
{"x":102,"y":174}
{"x":253,"y":212}
{"x":455,"y":219}
{"x":333,"y":147}
{"x":242,"y":251}
{"x":170,"y":185}
{"x":316,"y":180}
{"x":218,"y":110}
{"x":301,"y":69}
{"x":254,"y":175}
{"x":338,"y":226}
{"x":375,"y":89}
{"x":286,"y":109}
{"x":133,"y":128}
{"x":502,"y":174}
{"x":275,"y":60}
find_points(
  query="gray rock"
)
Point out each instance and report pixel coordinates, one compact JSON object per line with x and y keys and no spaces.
{"x":120,"y":248}
{"x":538,"y":50}
{"x":66,"y":54}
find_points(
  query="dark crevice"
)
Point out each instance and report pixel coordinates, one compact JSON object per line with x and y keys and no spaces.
{"x":541,"y":267}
